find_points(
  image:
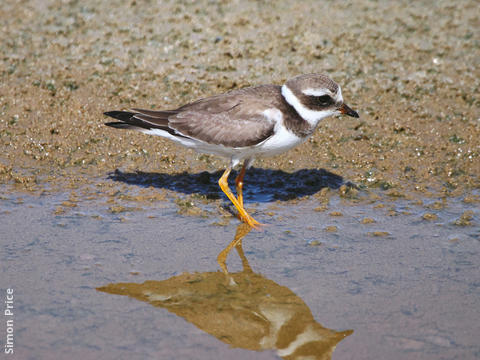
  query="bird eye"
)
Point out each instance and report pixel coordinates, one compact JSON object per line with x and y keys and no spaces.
{"x":324,"y":100}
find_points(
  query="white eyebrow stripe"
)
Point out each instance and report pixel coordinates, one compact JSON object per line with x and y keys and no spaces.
{"x":316,"y":92}
{"x":339,"y":98}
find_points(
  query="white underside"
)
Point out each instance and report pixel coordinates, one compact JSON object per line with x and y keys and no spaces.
{"x":281,"y":141}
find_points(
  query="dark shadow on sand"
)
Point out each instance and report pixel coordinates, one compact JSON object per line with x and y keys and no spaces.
{"x":260,"y":185}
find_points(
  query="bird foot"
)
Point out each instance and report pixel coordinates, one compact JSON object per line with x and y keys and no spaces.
{"x":246,"y":218}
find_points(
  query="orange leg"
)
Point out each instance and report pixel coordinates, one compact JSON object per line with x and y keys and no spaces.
{"x":239,"y":183}
{"x":241,"y":211}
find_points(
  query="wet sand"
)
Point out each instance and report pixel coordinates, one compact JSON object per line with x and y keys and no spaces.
{"x":372,"y":223}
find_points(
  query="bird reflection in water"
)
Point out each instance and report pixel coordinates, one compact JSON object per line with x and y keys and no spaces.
{"x":243,"y":309}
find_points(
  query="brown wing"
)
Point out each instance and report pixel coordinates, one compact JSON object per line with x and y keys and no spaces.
{"x":234,"y":119}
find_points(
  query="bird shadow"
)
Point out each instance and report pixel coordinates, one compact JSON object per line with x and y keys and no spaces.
{"x":260,"y":185}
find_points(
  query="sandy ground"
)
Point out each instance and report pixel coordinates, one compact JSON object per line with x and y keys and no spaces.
{"x":411,"y":69}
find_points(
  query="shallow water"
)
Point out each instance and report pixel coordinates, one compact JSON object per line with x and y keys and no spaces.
{"x":395,"y":286}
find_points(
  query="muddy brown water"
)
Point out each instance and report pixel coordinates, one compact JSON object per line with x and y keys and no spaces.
{"x":373,"y":223}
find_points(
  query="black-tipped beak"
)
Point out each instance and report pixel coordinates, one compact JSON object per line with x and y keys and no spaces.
{"x":346,"y":110}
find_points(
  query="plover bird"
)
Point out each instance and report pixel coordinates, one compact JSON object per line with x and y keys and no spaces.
{"x":242,"y":124}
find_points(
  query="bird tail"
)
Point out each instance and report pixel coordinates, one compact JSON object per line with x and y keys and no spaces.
{"x":139,"y":119}
{"x":142,"y":120}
